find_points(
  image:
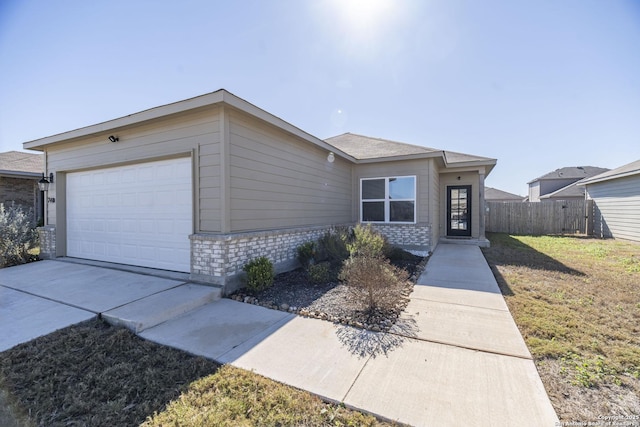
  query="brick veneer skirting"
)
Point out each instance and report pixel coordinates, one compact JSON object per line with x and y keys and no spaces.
{"x":416,"y":236}
{"x":47,"y":236}
{"x":219,"y":258}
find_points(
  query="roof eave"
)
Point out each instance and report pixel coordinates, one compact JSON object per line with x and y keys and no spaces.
{"x":219,"y":97}
{"x":20,"y":174}
{"x":435,"y":154}
{"x":595,"y":179}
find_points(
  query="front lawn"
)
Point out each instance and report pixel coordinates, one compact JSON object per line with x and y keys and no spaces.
{"x":577,"y":303}
{"x":93,"y":374}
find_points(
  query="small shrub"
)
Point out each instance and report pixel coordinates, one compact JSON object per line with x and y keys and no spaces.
{"x":17,"y":236}
{"x":373,"y":281}
{"x":321,"y":272}
{"x":367,"y":242}
{"x":260,"y":274}
{"x":306,"y":254}
{"x":332,"y":246}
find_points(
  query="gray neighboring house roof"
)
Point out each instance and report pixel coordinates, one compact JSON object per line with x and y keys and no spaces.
{"x":20,"y":164}
{"x":629,"y":169}
{"x":571,"y":190}
{"x":365,"y":148}
{"x":571,"y":172}
{"x":493,"y":194}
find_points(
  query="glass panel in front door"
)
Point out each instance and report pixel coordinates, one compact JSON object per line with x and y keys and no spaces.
{"x":459,"y":208}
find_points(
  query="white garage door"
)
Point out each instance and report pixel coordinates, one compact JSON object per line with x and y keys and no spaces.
{"x":138,"y":214}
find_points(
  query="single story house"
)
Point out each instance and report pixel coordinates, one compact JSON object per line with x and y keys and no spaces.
{"x":616,"y":202}
{"x":560,"y":184}
{"x":206,"y":184}
{"x":19,"y":175}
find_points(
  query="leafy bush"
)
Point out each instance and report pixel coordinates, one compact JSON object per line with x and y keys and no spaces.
{"x":17,"y":236}
{"x":367,"y":242}
{"x":332,"y":246}
{"x":306,"y":253}
{"x":373,"y":281}
{"x":260,"y":274}
{"x":321,"y":272}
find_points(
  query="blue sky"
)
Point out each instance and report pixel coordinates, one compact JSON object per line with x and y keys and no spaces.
{"x":538,"y":85}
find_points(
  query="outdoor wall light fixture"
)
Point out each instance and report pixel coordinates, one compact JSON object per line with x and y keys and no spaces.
{"x":43,"y":184}
{"x":331,"y":157}
{"x":113,"y":138}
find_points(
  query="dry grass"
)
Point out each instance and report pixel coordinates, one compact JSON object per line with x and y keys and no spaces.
{"x":93,"y":374}
{"x":577,"y":304}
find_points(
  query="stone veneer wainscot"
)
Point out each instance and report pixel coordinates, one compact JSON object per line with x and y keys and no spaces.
{"x":219,"y":258}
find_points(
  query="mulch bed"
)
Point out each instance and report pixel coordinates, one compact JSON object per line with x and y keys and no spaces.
{"x":95,"y":375}
{"x":295,"y":293}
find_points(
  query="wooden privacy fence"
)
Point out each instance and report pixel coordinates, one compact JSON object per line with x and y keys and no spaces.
{"x":557,"y":217}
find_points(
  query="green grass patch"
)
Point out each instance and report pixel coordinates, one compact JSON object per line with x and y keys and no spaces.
{"x":575,"y":300}
{"x":234,"y":397}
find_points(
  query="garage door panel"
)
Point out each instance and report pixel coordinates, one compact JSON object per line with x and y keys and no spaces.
{"x":135,"y":214}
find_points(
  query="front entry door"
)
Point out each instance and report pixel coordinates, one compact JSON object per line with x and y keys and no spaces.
{"x":459,"y":210}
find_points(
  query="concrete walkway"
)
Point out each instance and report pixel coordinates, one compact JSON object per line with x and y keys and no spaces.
{"x":455,"y":357}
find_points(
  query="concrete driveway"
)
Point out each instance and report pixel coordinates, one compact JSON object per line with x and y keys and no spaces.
{"x":39,"y":298}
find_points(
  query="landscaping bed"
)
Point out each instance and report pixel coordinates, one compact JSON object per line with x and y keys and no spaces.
{"x":295,"y":292}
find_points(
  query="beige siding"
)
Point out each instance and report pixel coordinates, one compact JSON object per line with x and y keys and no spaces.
{"x":279,"y":181}
{"x":466,"y":178}
{"x":617,"y":208}
{"x":196,"y":132}
{"x":420,"y":168}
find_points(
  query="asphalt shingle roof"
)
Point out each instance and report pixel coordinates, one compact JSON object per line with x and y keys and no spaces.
{"x":632,"y":168}
{"x":17,"y":161}
{"x":571,"y":172}
{"x":365,"y":147}
{"x":495,"y":194}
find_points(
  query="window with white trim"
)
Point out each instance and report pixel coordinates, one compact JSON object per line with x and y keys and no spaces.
{"x":388,"y":200}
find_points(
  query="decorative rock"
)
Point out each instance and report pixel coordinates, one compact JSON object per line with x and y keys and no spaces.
{"x":284,"y":306}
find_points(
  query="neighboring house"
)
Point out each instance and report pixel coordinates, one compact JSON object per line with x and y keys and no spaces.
{"x":19,"y":175}
{"x":495,"y":195}
{"x":616,"y":202}
{"x":206,"y":184}
{"x":560,"y":184}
